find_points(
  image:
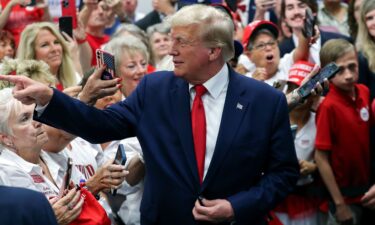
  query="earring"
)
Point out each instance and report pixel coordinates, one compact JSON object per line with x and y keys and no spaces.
{"x":9,"y":144}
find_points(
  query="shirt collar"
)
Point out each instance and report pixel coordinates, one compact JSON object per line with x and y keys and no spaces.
{"x":53,"y":167}
{"x":342,"y":96}
{"x":19,"y":161}
{"x":216,"y":83}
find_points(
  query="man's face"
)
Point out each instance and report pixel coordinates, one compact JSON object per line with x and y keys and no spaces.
{"x":99,"y":16}
{"x":295,"y":11}
{"x":265,"y":53}
{"x":190,"y":56}
{"x":129,"y":6}
{"x":347,"y":76}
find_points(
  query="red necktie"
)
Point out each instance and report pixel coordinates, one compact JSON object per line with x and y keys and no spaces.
{"x":198,"y":121}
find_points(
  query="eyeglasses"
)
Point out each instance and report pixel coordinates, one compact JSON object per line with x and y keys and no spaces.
{"x":263,"y":46}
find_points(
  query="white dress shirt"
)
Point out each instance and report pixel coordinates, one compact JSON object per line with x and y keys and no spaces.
{"x":213,"y":102}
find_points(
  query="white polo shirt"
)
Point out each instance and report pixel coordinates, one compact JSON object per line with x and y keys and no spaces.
{"x":20,"y":173}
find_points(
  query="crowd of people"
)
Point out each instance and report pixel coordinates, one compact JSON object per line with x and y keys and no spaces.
{"x":206,"y":101}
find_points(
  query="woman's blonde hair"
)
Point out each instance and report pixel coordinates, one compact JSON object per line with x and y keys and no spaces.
{"x":34,"y":69}
{"x":26,"y":50}
{"x":365,"y":42}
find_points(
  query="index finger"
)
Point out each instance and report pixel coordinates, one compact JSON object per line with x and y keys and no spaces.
{"x":11,"y":78}
{"x":67,"y":37}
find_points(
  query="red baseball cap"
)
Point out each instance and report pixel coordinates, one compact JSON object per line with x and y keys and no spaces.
{"x":256,"y":25}
{"x":299,"y":71}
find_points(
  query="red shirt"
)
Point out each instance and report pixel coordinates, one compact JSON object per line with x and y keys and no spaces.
{"x":343,"y":130}
{"x":96,"y":43}
{"x":20,"y":17}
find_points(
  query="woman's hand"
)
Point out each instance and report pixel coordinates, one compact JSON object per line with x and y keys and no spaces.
{"x":260,"y":74}
{"x":96,"y":88}
{"x":67,"y":208}
{"x":306,"y":167}
{"x":109,"y":176}
{"x":73,"y":91}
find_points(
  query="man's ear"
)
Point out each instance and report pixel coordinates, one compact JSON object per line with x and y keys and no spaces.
{"x":214,"y":53}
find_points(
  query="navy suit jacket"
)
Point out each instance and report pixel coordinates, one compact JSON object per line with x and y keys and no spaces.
{"x":287,"y":45}
{"x":24,"y":207}
{"x":254,"y":165}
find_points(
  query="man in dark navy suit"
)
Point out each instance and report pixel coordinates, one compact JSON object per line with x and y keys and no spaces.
{"x":24,"y":207}
{"x":217,"y":145}
{"x":293,"y":13}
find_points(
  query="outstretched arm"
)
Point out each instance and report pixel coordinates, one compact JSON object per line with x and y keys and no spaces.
{"x":29,"y":91}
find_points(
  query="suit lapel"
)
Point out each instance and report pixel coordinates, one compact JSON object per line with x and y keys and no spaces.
{"x":181,"y":109}
{"x":235,"y":108}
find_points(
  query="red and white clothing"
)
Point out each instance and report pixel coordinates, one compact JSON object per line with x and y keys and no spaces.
{"x":297,"y":208}
{"x":304,"y":144}
{"x":21,"y":173}
{"x":96,"y":43}
{"x":343,"y":130}
{"x":20,"y":17}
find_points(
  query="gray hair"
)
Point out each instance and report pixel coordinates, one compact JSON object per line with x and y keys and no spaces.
{"x":162,"y":28}
{"x":126,"y":45}
{"x":215,"y":27}
{"x":8,"y":106}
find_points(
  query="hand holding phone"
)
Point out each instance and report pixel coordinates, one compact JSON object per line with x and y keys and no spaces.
{"x":309,"y":26}
{"x":67,"y":177}
{"x":107,"y":59}
{"x":328,"y":72}
{"x":120,"y":159}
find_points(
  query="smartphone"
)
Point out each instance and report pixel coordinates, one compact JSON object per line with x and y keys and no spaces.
{"x":105,"y":58}
{"x":308,"y":30}
{"x":32,"y":3}
{"x":120,"y":159}
{"x":68,"y":8}
{"x":294,"y":128}
{"x":66,"y":25}
{"x":68,"y":173}
{"x":328,"y":72}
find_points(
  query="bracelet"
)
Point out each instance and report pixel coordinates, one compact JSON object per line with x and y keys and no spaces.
{"x":81,"y":41}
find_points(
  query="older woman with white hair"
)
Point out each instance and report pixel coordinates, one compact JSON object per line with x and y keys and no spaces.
{"x":22,"y":159}
{"x":131,"y":60}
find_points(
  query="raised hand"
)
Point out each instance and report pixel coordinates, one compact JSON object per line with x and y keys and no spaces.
{"x":96,"y":88}
{"x":109,"y":176}
{"x":29,"y":91}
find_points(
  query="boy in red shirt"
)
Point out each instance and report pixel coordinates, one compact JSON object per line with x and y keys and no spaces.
{"x":342,"y":141}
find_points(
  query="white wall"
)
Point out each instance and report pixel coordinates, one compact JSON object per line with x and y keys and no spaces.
{"x":144,"y":6}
